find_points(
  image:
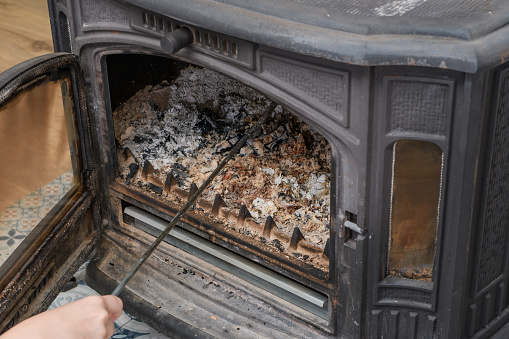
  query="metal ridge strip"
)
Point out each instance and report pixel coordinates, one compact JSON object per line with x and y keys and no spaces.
{"x":236,"y":260}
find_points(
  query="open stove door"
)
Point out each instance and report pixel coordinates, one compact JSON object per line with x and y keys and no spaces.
{"x":52,"y":220}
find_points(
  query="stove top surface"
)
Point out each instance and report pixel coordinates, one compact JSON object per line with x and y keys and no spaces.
{"x":454,"y":34}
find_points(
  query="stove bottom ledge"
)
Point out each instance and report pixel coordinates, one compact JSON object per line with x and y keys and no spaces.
{"x":179,"y":311}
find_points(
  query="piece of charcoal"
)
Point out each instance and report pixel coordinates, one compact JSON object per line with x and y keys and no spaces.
{"x":178,"y":173}
{"x":133,"y":169}
{"x":180,"y":167}
{"x":278,"y":244}
{"x":155,"y":188}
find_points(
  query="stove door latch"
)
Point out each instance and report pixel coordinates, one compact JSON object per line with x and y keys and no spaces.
{"x":349,"y":223}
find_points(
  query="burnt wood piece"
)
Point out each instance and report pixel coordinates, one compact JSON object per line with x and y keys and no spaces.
{"x":133,"y":169}
{"x":155,"y":188}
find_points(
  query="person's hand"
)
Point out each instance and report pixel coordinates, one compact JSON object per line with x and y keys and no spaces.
{"x":89,"y":318}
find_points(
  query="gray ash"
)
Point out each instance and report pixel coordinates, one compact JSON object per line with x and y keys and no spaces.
{"x":185,"y":127}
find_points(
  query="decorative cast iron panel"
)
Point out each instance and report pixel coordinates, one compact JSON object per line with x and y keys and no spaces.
{"x":323,"y":88}
{"x":496,"y":213}
{"x":97,"y":11}
{"x":408,"y":294}
{"x":485,"y":309}
{"x":399,"y":324}
{"x":418,"y":106}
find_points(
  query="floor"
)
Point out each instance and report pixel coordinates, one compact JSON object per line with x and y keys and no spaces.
{"x":35,"y":171}
{"x":25,"y":31}
{"x":18,"y":219}
{"x":126,"y":326}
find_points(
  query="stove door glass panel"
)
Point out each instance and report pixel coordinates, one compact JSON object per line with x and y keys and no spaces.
{"x":416,"y":186}
{"x":38,"y":165}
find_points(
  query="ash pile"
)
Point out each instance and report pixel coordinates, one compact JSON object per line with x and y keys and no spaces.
{"x":181,"y":130}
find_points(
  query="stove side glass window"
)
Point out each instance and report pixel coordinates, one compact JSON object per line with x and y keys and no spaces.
{"x":416,"y":189}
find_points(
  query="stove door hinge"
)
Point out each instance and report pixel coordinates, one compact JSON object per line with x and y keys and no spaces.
{"x":85,"y":177}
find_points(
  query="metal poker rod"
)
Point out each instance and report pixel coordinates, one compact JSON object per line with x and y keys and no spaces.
{"x":252,"y":132}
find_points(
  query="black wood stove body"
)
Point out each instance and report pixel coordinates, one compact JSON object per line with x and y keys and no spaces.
{"x":413,"y":97}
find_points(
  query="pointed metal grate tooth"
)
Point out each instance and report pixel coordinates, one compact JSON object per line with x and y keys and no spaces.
{"x":128,"y":154}
{"x":169,"y":183}
{"x":218,"y":203}
{"x":192,"y":189}
{"x":326,"y":250}
{"x":270,"y":224}
{"x":243,"y":215}
{"x":147,"y":169}
{"x":296,"y":238}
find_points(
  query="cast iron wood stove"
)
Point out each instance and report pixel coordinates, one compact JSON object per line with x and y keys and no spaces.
{"x":401,"y":105}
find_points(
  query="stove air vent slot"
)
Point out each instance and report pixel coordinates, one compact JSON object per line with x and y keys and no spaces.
{"x":157,"y":23}
{"x":224,"y":47}
{"x":153,"y":23}
{"x":277,"y":284}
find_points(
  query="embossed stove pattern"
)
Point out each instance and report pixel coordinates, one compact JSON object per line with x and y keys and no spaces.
{"x":494,"y":233}
{"x":326,"y":89}
{"x":419,"y":107}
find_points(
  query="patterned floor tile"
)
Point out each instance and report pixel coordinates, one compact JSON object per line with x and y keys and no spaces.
{"x":31,"y":201}
{"x":25,"y":225}
{"x":22,"y":216}
{"x":9,"y":240}
{"x":11,"y":213}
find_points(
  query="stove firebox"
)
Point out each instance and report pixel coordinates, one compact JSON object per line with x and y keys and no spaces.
{"x":405,"y":115}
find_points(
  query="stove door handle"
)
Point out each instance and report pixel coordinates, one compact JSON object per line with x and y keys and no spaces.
{"x":173,"y":42}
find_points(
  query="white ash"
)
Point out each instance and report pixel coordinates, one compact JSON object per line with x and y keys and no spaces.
{"x":262,"y":208}
{"x":166,"y":137}
{"x":188,"y":126}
